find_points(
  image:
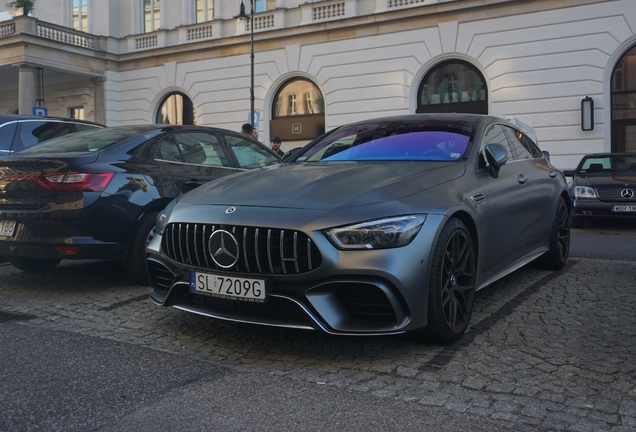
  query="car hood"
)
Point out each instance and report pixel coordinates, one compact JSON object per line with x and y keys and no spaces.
{"x":601,"y":181}
{"x":325,"y":185}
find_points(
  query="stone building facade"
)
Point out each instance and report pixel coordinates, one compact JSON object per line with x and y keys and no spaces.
{"x":320,"y":64}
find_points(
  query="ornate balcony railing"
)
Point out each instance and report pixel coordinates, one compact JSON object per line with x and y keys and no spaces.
{"x":314,"y":12}
{"x":7,"y":29}
{"x":65,"y":35}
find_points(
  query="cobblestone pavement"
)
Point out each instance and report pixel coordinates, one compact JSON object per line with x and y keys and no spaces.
{"x":549,"y":350}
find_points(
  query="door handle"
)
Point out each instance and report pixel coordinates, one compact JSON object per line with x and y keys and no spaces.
{"x":522,"y":179}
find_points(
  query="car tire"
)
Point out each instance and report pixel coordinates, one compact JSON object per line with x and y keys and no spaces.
{"x":135,"y":262}
{"x":451,"y":289}
{"x":557,"y":256}
{"x":33,"y":265}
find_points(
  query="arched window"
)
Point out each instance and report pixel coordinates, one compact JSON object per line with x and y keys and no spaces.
{"x":624,"y":103}
{"x":453,"y":86}
{"x":298,"y":111}
{"x":176,"y":108}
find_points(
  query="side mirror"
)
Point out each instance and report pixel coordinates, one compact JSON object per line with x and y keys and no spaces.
{"x":568,"y":173}
{"x":546,"y":154}
{"x":288,"y":154}
{"x":497,"y":156}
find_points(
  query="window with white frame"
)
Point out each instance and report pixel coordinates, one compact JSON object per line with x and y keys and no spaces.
{"x":205,"y":10}
{"x":152,"y":15}
{"x":264,"y":5}
{"x":292,"y":109}
{"x":80,"y":15}
{"x":309,"y":103}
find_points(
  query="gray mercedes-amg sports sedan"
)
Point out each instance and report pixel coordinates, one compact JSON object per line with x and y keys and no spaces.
{"x":378,"y":227}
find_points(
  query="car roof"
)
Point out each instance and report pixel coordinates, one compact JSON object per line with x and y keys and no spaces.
{"x":174,"y":128}
{"x":451,"y":117}
{"x":4,"y":118}
{"x":609,"y":155}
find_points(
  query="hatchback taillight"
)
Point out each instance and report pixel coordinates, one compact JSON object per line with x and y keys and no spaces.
{"x":73,"y":181}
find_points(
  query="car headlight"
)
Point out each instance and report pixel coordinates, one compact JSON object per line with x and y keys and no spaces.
{"x":584,"y":192}
{"x":378,"y":234}
{"x":163,"y":217}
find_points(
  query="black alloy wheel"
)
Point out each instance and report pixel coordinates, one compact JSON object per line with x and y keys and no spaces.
{"x":135,"y":262}
{"x":451,"y":285}
{"x":557,"y":256}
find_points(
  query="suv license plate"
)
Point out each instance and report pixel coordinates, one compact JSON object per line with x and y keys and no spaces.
{"x":624,"y":208}
{"x":229,"y":287}
{"x":7,"y":228}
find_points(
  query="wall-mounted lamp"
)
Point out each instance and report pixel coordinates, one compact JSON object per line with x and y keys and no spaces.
{"x":587,"y":114}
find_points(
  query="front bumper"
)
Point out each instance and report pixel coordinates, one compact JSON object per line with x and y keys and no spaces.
{"x":364,"y":292}
{"x":42,"y":242}
{"x":589,"y":209}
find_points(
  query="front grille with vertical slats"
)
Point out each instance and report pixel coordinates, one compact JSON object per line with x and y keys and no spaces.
{"x":264,"y":251}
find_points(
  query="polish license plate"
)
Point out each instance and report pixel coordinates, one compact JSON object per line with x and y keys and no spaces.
{"x":624,"y":208}
{"x":7,"y":228}
{"x":234,"y":288}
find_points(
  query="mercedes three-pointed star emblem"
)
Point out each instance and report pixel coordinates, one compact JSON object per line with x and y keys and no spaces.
{"x":224,"y":248}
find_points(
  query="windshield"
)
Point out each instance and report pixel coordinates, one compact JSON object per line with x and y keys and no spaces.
{"x":392,"y":141}
{"x":608,"y":164}
{"x":85,"y":142}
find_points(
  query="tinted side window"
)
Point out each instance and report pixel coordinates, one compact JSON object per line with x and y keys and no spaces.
{"x":518,"y":148}
{"x":249,"y":154}
{"x":167,"y":150}
{"x":531,"y":146}
{"x":201,"y":148}
{"x":6,"y":136}
{"x":496,"y":135}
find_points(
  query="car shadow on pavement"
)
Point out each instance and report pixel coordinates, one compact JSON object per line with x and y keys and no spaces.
{"x":69,"y":276}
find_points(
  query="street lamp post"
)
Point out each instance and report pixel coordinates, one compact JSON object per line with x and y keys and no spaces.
{"x":250,"y":19}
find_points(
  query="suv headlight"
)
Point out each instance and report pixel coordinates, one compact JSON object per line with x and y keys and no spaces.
{"x":378,"y":234}
{"x":584,"y":192}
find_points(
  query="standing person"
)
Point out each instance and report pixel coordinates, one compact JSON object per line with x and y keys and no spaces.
{"x":248,"y":129}
{"x":276,"y":146}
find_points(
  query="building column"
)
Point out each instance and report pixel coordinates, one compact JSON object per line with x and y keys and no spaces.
{"x":100,"y":100}
{"x":26,"y":87}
